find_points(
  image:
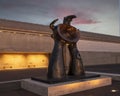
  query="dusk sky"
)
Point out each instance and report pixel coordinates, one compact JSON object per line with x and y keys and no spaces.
{"x":99,"y":16}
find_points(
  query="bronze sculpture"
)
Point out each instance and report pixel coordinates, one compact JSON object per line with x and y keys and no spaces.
{"x":63,"y":35}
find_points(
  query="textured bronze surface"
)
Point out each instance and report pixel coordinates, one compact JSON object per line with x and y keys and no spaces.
{"x":68,"y":33}
{"x":65,"y":35}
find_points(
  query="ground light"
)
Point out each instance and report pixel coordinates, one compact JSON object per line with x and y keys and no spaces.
{"x":114,"y":90}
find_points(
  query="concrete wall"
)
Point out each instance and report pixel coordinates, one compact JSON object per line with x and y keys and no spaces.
{"x":94,"y":48}
{"x":15,"y":42}
{"x":99,"y":58}
{"x":92,"y":52}
{"x":97,"y":52}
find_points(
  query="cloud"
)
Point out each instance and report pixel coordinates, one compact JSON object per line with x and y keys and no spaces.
{"x":91,"y":14}
{"x":6,"y":4}
{"x":85,"y":21}
{"x":85,"y":18}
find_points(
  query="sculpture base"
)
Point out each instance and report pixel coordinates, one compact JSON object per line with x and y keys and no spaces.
{"x":68,"y":78}
{"x":45,"y":89}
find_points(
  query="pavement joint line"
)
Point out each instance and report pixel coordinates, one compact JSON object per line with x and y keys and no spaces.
{"x":102,"y":73}
{"x":11,"y":81}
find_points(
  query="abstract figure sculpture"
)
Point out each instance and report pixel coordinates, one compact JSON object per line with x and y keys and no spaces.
{"x":65,"y":35}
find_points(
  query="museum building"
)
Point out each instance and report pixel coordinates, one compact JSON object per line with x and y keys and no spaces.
{"x":25,"y":45}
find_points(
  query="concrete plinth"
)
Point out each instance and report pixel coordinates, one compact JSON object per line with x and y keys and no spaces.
{"x":58,"y":89}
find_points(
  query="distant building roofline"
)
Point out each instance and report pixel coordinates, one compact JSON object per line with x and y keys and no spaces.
{"x":38,"y":28}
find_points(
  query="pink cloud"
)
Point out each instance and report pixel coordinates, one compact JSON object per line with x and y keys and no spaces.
{"x":83,"y":17}
{"x":85,"y":21}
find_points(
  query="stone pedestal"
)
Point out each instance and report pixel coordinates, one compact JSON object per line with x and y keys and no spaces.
{"x":58,"y":89}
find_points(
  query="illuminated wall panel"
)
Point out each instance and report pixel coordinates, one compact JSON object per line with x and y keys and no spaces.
{"x":37,"y":60}
{"x":23,"y":60}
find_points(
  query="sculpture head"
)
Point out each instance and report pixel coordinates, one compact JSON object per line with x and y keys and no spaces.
{"x":67,"y":20}
{"x":67,"y":32}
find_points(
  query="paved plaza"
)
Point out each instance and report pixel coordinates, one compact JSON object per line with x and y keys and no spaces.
{"x":111,"y":90}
